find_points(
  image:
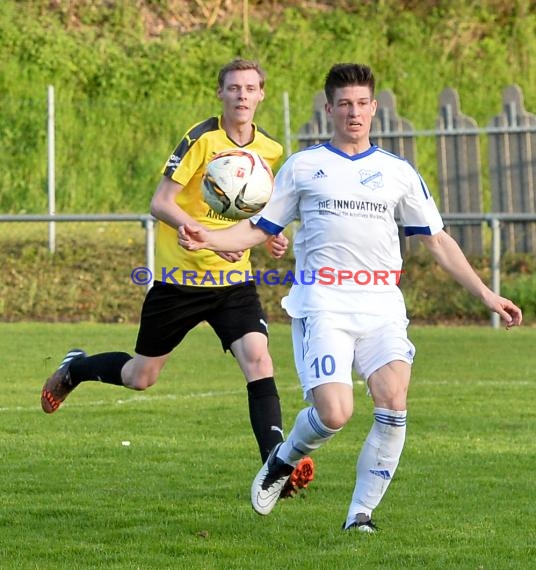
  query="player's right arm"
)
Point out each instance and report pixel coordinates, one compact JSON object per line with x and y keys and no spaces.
{"x":164,"y":206}
{"x":243,"y":235}
{"x":451,"y":258}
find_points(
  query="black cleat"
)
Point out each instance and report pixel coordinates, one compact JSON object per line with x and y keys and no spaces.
{"x":362,"y":523}
{"x":59,"y":385}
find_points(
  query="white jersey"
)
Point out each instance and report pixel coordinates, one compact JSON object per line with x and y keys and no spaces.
{"x":347,"y":246}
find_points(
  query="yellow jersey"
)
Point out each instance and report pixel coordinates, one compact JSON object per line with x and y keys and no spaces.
{"x":186,"y":166}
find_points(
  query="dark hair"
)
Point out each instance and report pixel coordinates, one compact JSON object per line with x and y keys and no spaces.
{"x":240,"y":64}
{"x":345,"y":74}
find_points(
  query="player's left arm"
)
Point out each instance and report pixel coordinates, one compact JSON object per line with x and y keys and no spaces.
{"x":241,"y":236}
{"x":451,"y":258}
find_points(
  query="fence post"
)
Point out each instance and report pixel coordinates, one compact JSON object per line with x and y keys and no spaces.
{"x":512,"y":160}
{"x":286,"y":119}
{"x":458,"y":160}
{"x":495,"y":265}
{"x":51,"y":168}
{"x":148,"y":224}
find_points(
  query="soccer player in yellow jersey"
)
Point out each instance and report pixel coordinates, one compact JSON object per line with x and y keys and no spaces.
{"x":192,"y":287}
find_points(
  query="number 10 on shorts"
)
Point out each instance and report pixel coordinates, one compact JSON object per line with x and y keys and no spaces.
{"x":324,"y":366}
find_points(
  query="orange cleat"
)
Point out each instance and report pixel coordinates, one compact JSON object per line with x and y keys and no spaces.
{"x":59,"y":386}
{"x":302,"y":475}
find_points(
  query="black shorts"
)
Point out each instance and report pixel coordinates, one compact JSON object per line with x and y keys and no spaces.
{"x":170,"y":311}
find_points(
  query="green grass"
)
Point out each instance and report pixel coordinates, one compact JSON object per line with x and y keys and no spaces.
{"x":74,"y":497}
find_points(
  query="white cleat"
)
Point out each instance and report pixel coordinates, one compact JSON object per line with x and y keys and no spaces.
{"x":269,"y":483}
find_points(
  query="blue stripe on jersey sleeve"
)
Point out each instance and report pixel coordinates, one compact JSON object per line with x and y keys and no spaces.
{"x":417,"y":230}
{"x":269,"y":227}
{"x":424,"y":188}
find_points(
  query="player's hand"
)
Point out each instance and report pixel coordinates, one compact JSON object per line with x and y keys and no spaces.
{"x":232,"y":256}
{"x":509,"y":312}
{"x":192,"y":238}
{"x":277,"y":246}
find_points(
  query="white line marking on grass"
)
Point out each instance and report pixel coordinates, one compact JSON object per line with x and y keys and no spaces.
{"x":142,"y":398}
{"x":139,"y":398}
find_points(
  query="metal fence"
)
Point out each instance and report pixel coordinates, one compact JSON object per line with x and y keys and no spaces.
{"x":147,"y":221}
{"x":495,"y":222}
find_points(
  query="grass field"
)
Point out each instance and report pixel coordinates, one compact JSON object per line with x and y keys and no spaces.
{"x":74,"y":497}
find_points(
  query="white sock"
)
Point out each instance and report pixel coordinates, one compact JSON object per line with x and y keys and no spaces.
{"x":307,"y":435}
{"x":378,"y":461}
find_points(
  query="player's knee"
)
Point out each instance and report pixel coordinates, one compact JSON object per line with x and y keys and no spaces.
{"x":140,"y":386}
{"x":258,"y":365}
{"x":336,"y":417}
{"x":140,"y":382}
{"x":141,"y":372}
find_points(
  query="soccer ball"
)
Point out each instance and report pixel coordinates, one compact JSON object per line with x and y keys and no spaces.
{"x":237,"y":183}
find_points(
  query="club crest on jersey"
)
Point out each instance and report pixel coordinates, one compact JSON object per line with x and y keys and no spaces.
{"x":372,"y":180}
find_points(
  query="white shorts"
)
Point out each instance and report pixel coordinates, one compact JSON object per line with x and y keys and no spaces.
{"x":328,"y":346}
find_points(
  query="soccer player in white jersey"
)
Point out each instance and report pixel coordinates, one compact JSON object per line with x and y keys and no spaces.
{"x":347,"y":310}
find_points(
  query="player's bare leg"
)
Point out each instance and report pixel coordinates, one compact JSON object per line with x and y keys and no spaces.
{"x":118,"y":368}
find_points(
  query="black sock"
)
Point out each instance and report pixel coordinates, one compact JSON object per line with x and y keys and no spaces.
{"x":265,"y":414}
{"x":105,"y":367}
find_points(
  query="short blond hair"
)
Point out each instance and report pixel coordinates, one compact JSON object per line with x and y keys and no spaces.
{"x":239,"y":64}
